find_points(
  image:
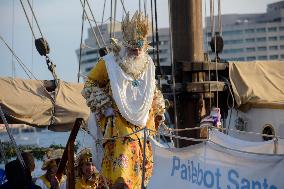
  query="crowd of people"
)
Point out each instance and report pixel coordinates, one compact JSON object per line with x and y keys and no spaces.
{"x":19,"y":176}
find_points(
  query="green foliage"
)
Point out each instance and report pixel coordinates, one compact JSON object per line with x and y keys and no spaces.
{"x":38,"y":152}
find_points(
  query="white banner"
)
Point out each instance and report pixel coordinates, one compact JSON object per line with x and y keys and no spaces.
{"x":266,"y":147}
{"x":207,"y":165}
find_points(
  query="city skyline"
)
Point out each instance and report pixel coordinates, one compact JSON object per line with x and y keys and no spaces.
{"x":62,"y":28}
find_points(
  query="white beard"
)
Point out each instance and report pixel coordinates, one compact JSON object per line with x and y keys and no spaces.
{"x":135,"y":64}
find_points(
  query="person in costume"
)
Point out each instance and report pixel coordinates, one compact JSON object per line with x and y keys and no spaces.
{"x":122,"y":95}
{"x":88,"y":176}
{"x":50,"y":165}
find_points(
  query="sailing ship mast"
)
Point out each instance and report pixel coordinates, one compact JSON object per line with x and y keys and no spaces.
{"x":192,"y":89}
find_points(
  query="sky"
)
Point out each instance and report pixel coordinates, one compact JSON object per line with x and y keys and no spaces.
{"x":60,"y":22}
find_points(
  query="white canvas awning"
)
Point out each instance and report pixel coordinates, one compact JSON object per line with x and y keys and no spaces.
{"x":28,"y":101}
{"x":258,"y":84}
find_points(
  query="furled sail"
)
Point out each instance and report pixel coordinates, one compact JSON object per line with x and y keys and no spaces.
{"x":29,"y":102}
{"x":258,"y":84}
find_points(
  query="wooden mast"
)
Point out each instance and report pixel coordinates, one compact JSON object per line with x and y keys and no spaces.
{"x":187,"y":37}
{"x":193,"y":90}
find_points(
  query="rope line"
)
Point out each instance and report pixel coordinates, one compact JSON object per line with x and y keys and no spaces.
{"x":250,"y":132}
{"x":33,"y":44}
{"x":23,"y":66}
{"x":144,"y":158}
{"x":28,"y":19}
{"x":81,"y":41}
{"x":101,"y":36}
{"x":110,"y":20}
{"x":103,"y":15}
{"x":157,"y":38}
{"x":122,"y":3}
{"x":50,"y":65}
{"x":18,"y":153}
{"x":207,"y":50}
{"x":242,"y":151}
{"x":186,"y":129}
{"x":173,"y":69}
{"x":114,"y":17}
{"x":216,"y":72}
{"x":153,"y":34}
{"x":35,"y":18}
{"x":176,"y":136}
{"x":219,"y":17}
{"x":212,"y":19}
{"x":93,"y":31}
{"x":13,"y":34}
{"x":145,"y":7}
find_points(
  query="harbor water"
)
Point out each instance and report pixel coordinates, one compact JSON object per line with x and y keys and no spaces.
{"x":45,"y":138}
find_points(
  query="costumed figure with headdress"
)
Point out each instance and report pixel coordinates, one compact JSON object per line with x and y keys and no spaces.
{"x":50,"y":165}
{"x":122,"y":95}
{"x":88,"y":176}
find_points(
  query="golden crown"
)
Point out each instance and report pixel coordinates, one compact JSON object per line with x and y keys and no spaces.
{"x":135,"y":30}
{"x":84,"y":156}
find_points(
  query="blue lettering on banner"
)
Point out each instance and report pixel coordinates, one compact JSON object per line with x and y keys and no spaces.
{"x":193,"y":172}
{"x":208,"y":179}
{"x":232,"y":175}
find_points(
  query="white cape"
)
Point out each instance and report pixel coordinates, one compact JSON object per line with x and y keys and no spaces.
{"x":97,"y":146}
{"x":133,"y":103}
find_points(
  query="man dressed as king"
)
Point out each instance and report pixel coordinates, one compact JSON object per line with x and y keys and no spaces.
{"x":122,"y":95}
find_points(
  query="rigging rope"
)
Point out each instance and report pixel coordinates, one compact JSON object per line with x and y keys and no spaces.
{"x":173,"y":69}
{"x":212,"y":20}
{"x":32,"y":49}
{"x":18,"y":153}
{"x":23,"y":66}
{"x":110,"y":20}
{"x":92,"y":28}
{"x":101,"y":36}
{"x":145,"y":7}
{"x":41,"y":43}
{"x":219,"y":17}
{"x":207,"y":51}
{"x":180,"y":130}
{"x":35,"y":18}
{"x":157,"y":41}
{"x":153,"y":34}
{"x":122,"y":3}
{"x":114,"y":20}
{"x":13,"y":34}
{"x":144,"y":158}
{"x":216,"y":61}
{"x":28,"y":19}
{"x":81,"y":42}
{"x":214,"y":34}
{"x":103,"y":15}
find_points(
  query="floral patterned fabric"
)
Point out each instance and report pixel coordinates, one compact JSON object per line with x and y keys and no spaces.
{"x":95,"y":183}
{"x":123,"y":157}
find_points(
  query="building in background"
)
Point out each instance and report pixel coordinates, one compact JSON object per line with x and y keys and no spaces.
{"x":90,"y":48}
{"x":249,"y":37}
